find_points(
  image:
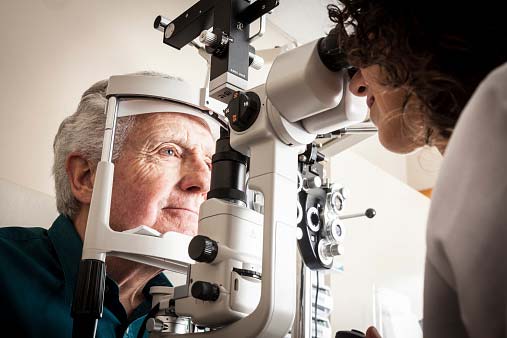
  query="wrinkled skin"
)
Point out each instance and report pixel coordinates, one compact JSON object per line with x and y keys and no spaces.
{"x":163,"y":173}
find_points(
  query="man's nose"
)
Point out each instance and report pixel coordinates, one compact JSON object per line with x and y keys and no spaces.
{"x":358,"y":85}
{"x":195,"y":176}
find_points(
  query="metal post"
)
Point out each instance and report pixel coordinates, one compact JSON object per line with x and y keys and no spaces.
{"x":111,"y":114}
{"x":303,"y":320}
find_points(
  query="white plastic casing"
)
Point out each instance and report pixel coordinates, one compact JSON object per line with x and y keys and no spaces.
{"x":299,"y":85}
{"x":238,"y":231}
{"x":351,"y":110}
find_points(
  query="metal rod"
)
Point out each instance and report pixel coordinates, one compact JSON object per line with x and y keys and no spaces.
{"x":303,"y":321}
{"x":370,"y":213}
{"x":360,"y":130}
{"x":111,"y":114}
{"x":352,"y":216}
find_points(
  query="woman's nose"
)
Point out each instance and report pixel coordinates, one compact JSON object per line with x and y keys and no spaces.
{"x":357,"y":85}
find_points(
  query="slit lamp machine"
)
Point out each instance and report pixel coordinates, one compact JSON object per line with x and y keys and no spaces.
{"x":270,"y":217}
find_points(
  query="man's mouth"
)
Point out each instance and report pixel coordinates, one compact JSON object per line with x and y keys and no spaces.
{"x":182,"y":209}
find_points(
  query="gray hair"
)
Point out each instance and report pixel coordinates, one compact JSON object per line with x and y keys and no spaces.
{"x":83,"y":132}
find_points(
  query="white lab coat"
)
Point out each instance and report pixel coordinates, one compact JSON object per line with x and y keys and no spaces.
{"x":466,"y":266}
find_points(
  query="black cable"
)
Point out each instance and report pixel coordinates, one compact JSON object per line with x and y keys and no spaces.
{"x":316,"y":302}
{"x":84,"y":327}
{"x":149,"y":315}
{"x":301,"y":296}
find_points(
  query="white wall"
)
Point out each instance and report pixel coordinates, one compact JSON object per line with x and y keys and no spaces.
{"x":423,"y":167}
{"x":372,"y":151}
{"x":418,"y":169}
{"x":386,"y":251}
{"x":53,"y":50}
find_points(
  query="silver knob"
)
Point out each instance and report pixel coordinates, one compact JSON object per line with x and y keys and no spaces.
{"x":331,"y":250}
{"x":328,"y":250}
{"x":154,"y":325}
{"x":257,"y":61}
{"x":208,"y":38}
{"x":333,"y":231}
{"x":336,"y":201}
{"x":161,"y":22}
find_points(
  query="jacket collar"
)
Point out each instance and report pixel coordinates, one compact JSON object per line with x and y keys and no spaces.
{"x":69,"y":246}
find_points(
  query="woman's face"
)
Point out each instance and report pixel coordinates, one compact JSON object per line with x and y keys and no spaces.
{"x":400,"y":126}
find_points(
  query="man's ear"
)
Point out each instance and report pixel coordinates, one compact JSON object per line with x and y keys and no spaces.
{"x":81,"y":173}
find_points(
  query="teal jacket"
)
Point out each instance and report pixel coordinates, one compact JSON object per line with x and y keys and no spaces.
{"x":38,"y":274}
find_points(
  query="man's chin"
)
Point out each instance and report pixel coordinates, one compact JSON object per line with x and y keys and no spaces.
{"x":186,"y":228}
{"x":190,"y":232}
{"x":178,"y":220}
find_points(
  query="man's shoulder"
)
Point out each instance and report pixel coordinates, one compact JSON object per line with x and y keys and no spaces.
{"x":18,"y":233}
{"x":23,"y":251}
{"x":17,"y":241}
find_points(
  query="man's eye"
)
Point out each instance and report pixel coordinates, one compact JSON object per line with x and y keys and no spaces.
{"x":170,"y":152}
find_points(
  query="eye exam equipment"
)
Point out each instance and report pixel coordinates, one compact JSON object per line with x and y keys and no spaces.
{"x":271,"y":216}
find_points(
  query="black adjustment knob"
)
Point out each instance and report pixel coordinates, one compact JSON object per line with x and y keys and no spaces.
{"x":205,"y":291}
{"x":370,"y":213}
{"x":203,"y":249}
{"x":243,"y":110}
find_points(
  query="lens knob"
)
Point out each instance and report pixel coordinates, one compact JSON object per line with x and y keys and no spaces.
{"x":243,"y":110}
{"x":205,"y":291}
{"x":203,"y":249}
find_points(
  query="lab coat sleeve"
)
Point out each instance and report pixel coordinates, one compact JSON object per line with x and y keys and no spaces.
{"x":466,"y":267}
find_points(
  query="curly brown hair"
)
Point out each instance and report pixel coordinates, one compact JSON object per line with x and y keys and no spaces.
{"x":440,"y":49}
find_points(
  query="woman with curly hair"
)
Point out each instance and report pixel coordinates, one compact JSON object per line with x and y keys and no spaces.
{"x":435,"y":73}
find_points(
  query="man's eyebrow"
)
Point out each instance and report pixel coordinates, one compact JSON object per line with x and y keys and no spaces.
{"x":183,"y":142}
{"x":170,"y":139}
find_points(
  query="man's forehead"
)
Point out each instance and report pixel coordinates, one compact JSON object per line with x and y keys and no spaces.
{"x":191,"y":130}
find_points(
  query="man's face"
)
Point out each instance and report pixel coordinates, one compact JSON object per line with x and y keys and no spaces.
{"x":163,"y":174}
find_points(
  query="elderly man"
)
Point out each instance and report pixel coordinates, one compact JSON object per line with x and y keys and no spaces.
{"x":162,"y":173}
